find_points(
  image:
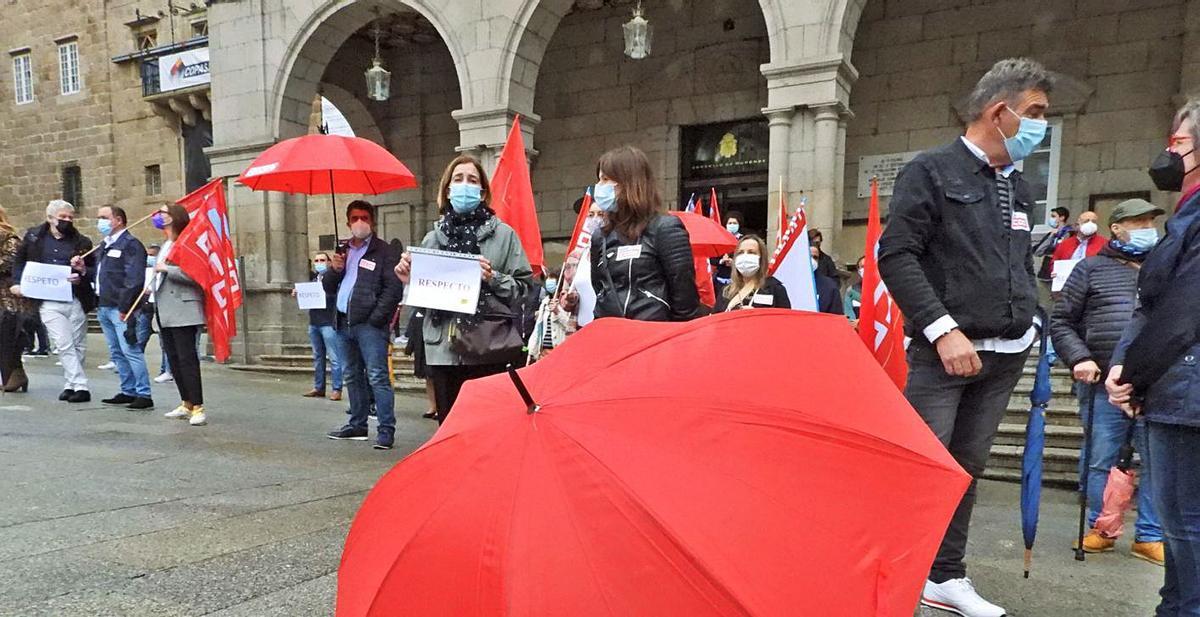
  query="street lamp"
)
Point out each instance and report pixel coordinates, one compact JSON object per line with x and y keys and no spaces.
{"x":379,"y":80}
{"x":638,"y":34}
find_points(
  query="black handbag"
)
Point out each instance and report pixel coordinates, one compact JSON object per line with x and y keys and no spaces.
{"x":495,"y":338}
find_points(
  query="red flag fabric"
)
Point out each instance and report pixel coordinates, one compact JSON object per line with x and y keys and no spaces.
{"x":704,"y":281}
{"x":880,"y":325}
{"x":204,"y":252}
{"x":512,"y":196}
{"x":579,"y":221}
{"x":714,"y":211}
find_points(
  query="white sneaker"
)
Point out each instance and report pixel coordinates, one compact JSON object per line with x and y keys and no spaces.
{"x":180,"y":412}
{"x":198,"y":418}
{"x":958,"y":595}
{"x":164,"y":378}
{"x":107,"y":366}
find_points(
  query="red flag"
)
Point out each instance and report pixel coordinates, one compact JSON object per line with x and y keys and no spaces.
{"x":579,"y":221}
{"x":204,"y":252}
{"x":512,"y":196}
{"x":880,"y":324}
{"x":714,"y":210}
{"x":704,"y":281}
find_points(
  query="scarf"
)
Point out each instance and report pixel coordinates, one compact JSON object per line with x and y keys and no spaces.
{"x":462,"y":236}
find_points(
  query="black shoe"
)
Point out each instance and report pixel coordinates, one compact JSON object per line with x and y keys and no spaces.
{"x":430,"y":415}
{"x":80,"y":396}
{"x":119,"y":399}
{"x":66,"y":395}
{"x":141,"y":402}
{"x":41,"y":352}
{"x":384,"y":440}
{"x":348,"y":432}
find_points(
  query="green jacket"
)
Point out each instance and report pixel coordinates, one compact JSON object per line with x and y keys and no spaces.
{"x":511,"y":280}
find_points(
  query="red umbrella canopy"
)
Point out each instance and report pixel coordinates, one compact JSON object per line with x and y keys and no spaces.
{"x":796,"y":482}
{"x":708,"y":238}
{"x":323,"y":164}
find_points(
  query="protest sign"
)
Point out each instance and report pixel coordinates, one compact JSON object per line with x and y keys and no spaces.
{"x":310,"y":295}
{"x":46,"y":282}
{"x":444,"y":281}
{"x":1062,"y":270}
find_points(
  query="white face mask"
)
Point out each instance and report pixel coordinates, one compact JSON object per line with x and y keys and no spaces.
{"x":1088,"y":229}
{"x":360,"y":230}
{"x":746,"y":263}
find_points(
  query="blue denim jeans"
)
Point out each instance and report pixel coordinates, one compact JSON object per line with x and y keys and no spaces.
{"x":130,"y":361}
{"x":1175,"y":454}
{"x":1108,"y":435}
{"x":365,"y":350}
{"x":324,"y":341}
{"x":142,"y":323}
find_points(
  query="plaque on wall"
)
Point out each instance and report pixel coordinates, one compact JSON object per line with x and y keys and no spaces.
{"x":885,"y":166}
{"x":724,"y":149}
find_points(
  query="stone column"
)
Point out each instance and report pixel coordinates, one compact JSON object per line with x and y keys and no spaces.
{"x":824,"y":211}
{"x":483,"y":133}
{"x":779,"y":122}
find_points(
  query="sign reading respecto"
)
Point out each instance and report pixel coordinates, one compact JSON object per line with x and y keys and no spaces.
{"x":883,"y":166}
{"x":310,"y":295}
{"x":183,"y":70}
{"x":443,"y":280}
{"x":46,"y":282}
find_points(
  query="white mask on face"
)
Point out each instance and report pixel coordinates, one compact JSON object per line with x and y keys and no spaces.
{"x":746,"y":263}
{"x":1088,"y":229}
{"x":360,"y":230}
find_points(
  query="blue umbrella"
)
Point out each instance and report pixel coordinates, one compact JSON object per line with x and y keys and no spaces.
{"x":1035,"y":443}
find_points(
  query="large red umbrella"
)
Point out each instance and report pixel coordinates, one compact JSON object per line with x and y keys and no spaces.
{"x":764,"y":484}
{"x":708,"y":238}
{"x":325,"y":165}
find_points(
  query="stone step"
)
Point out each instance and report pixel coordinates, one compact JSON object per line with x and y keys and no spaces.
{"x":1064,"y":460}
{"x":1057,"y":436}
{"x":1057,"y":479}
{"x":402,"y":383}
{"x":399,"y":361}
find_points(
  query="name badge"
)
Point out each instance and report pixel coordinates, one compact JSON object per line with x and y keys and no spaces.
{"x":1020,"y":221}
{"x":626,"y":253}
{"x":114,"y":253}
{"x":764,"y":299}
{"x":366,"y":263}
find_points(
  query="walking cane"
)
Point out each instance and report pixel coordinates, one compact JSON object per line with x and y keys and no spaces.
{"x":1086,"y":455}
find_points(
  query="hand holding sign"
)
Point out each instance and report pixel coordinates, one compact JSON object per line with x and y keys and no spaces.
{"x":445,"y":281}
{"x":310,"y":296}
{"x":47,"y":282}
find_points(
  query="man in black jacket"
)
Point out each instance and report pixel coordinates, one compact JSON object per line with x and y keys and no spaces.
{"x":120,"y":277}
{"x":956,"y":256}
{"x":57,"y":242}
{"x":367,"y":293}
{"x":1092,"y":312}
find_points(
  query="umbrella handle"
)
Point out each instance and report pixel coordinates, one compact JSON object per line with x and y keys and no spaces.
{"x":530,"y":406}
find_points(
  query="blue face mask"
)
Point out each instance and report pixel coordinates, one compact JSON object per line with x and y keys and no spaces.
{"x":320,"y":267}
{"x":104,"y":225}
{"x":151,"y":260}
{"x":605,"y":196}
{"x":732,"y":227}
{"x":1029,"y":135}
{"x":551,"y":286}
{"x":1053,"y":223}
{"x":465,"y":197}
{"x":1142,"y":239}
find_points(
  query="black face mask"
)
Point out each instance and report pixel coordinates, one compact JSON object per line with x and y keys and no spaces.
{"x":65,"y":227}
{"x":1167,"y":171}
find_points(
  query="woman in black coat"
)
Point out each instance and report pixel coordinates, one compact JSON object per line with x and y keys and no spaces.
{"x":642,"y":266}
{"x":749,"y":285}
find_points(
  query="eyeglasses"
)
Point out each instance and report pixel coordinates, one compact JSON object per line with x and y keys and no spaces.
{"x":1175,"y":140}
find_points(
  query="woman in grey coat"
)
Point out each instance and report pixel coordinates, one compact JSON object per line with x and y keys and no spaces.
{"x":180,"y":304}
{"x":468,"y":225}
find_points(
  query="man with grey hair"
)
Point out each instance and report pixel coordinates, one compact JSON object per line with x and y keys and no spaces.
{"x":957,"y":257}
{"x":57,"y":242}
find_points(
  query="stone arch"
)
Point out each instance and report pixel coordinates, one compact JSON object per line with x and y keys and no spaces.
{"x":307,"y":55}
{"x":843,"y":19}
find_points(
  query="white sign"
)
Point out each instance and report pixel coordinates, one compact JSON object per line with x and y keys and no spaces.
{"x":150,"y":285}
{"x":46,"y":282}
{"x":1062,"y":270}
{"x":883,"y":166}
{"x":445,"y":281}
{"x":310,"y":295}
{"x":183,"y":70}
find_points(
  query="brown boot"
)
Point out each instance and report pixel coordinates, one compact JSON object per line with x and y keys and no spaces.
{"x":336,"y":395}
{"x":314,"y":393}
{"x":17,"y":380}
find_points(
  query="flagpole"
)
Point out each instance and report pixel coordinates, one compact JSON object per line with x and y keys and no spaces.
{"x":135,"y":223}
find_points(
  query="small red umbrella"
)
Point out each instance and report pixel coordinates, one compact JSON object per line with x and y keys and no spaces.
{"x":617,"y":484}
{"x":1118,"y":492}
{"x":708,"y":238}
{"x":325,"y":165}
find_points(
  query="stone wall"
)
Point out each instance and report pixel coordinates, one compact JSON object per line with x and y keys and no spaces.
{"x":1120,"y":64}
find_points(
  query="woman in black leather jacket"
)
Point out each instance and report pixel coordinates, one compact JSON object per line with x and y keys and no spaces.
{"x":642,"y":266}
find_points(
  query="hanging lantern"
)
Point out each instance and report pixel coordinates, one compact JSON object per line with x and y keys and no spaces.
{"x":638,"y":34}
{"x":379,"y":80}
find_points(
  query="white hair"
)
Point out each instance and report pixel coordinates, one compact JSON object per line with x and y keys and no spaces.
{"x":57,"y":205}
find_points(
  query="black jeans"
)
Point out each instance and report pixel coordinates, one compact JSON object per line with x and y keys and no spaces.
{"x":12,"y":342}
{"x":448,"y":380}
{"x":964,"y":413}
{"x":180,"y":345}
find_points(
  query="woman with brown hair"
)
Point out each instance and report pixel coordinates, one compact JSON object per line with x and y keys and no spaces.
{"x":180,"y":304}
{"x":749,"y":285}
{"x":642,"y":266}
{"x":13,"y":312}
{"x":460,"y":346}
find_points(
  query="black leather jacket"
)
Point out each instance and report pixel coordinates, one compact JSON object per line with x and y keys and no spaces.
{"x":652,"y":278}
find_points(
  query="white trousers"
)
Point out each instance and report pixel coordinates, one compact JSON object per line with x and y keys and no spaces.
{"x":67,"y":324}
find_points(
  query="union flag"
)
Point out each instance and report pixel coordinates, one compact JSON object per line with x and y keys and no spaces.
{"x":204,"y":251}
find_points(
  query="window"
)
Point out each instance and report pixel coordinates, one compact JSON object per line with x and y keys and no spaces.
{"x":153,"y":180}
{"x":23,"y":78}
{"x":199,"y":29}
{"x":146,"y":39}
{"x":1041,"y":171}
{"x":68,"y":67}
{"x":72,"y":185}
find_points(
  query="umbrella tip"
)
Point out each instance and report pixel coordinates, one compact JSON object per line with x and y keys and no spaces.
{"x":530,"y":406}
{"x":1028,"y":561}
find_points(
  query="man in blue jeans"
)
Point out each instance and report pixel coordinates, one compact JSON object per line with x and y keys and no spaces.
{"x":367,"y":293}
{"x":1092,"y":311}
{"x":323,"y":337}
{"x":120,"y":277}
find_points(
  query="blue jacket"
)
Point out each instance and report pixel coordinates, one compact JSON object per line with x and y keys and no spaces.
{"x":1160,"y":350}
{"x":122,"y":272}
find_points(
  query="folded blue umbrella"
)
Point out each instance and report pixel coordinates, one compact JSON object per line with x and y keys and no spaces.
{"x":1035,"y":443}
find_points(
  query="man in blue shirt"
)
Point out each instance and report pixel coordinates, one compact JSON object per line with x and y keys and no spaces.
{"x":367,"y":294}
{"x":120,"y":276}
